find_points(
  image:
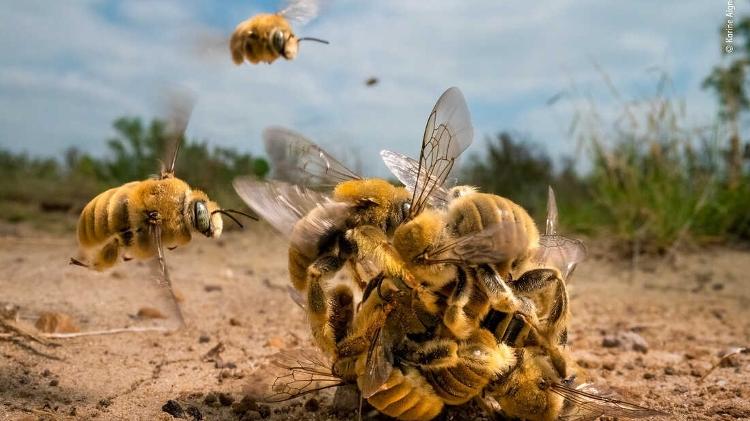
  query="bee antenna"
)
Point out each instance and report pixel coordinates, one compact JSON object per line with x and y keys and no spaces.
{"x":253,"y":217}
{"x":228,"y":213}
{"x":322,"y":41}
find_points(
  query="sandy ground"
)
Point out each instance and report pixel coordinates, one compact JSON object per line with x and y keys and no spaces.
{"x":234,"y":294}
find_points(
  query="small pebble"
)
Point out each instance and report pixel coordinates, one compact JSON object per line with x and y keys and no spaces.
{"x":204,"y":339}
{"x":212,"y":400}
{"x":195,"y":413}
{"x":174,"y":409}
{"x":46,"y":373}
{"x":245,"y":404}
{"x":312,"y":405}
{"x":225,"y":399}
{"x":610,"y":342}
{"x":264,"y":411}
{"x":212,"y":288}
{"x":648,"y":376}
{"x":670,"y":371}
{"x":234,"y":322}
{"x":54,"y":382}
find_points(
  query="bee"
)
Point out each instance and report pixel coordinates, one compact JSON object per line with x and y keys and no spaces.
{"x":436,"y":244}
{"x":140,"y":218}
{"x":267,"y":36}
{"x":533,"y":390}
{"x":354,"y":223}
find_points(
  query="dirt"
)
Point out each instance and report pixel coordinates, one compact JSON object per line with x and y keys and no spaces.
{"x":649,"y":333}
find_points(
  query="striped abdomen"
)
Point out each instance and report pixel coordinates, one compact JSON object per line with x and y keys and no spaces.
{"x":105,"y":216}
{"x":406,"y":396}
{"x":480,"y":359}
{"x":476,"y":211}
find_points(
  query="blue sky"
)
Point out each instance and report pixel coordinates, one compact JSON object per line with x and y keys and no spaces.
{"x":69,"y":68}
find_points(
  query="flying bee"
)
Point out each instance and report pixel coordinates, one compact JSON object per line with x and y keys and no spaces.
{"x":533,"y":390}
{"x":140,"y":218}
{"x":266,"y":37}
{"x":354,"y":223}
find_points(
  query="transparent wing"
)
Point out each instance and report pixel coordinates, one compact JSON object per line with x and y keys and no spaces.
{"x":552,"y":216}
{"x":180,"y":106}
{"x":447,"y":134}
{"x":560,"y":252}
{"x":378,"y":366}
{"x":585,"y":403}
{"x":165,"y":281}
{"x":406,"y":171}
{"x":556,"y":250}
{"x":301,"y":11}
{"x":306,"y":370}
{"x":297,"y":160}
{"x":280,"y":204}
{"x":497,"y":243}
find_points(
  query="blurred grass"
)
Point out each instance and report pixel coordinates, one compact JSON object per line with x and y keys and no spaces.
{"x":655,"y":181}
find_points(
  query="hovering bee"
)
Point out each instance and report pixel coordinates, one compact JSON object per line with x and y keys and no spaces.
{"x":354,"y":223}
{"x":266,"y":37}
{"x":533,"y":390}
{"x":140,"y":218}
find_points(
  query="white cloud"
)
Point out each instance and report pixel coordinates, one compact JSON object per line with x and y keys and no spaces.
{"x":67,"y":71}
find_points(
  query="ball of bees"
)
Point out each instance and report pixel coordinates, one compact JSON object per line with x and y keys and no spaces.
{"x":469,"y":300}
{"x":267,"y":36}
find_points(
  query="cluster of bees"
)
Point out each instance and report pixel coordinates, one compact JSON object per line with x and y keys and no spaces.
{"x":454,"y":295}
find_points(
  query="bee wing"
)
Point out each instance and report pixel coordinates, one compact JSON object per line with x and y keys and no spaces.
{"x":306,"y":371}
{"x":165,"y":281}
{"x":180,"y":109}
{"x":407,"y":170}
{"x":378,"y":366}
{"x":494,"y":244}
{"x":281,"y":204}
{"x":301,"y":11}
{"x":560,"y":252}
{"x":298,"y":160}
{"x":556,"y":250}
{"x":551,"y":226}
{"x":586,"y":403}
{"x":447,"y":134}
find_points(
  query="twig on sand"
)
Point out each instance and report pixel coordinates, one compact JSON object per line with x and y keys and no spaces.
{"x":42,"y":337}
{"x":105,"y":332}
{"x":730,"y":352}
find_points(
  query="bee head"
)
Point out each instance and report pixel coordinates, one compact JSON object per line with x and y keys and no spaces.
{"x":284,"y":43}
{"x":377,"y":202}
{"x":531,"y":397}
{"x":416,"y":237}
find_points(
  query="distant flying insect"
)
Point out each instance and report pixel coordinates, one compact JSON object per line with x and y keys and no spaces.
{"x":266,"y":37}
{"x":140,"y":218}
{"x":372,"y":81}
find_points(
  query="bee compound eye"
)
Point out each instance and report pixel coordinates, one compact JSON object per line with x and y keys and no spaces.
{"x":201,"y":218}
{"x":277,"y":41}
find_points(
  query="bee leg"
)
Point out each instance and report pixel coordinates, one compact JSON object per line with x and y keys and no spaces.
{"x":545,"y":288}
{"x":317,"y":300}
{"x":467,"y":305}
{"x":341,"y":312}
{"x":371,"y":243}
{"x":430,"y":355}
{"x":76,"y":262}
{"x":355,"y":274}
{"x":107,"y":256}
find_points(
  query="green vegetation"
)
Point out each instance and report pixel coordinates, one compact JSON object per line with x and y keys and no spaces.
{"x":60,"y":189}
